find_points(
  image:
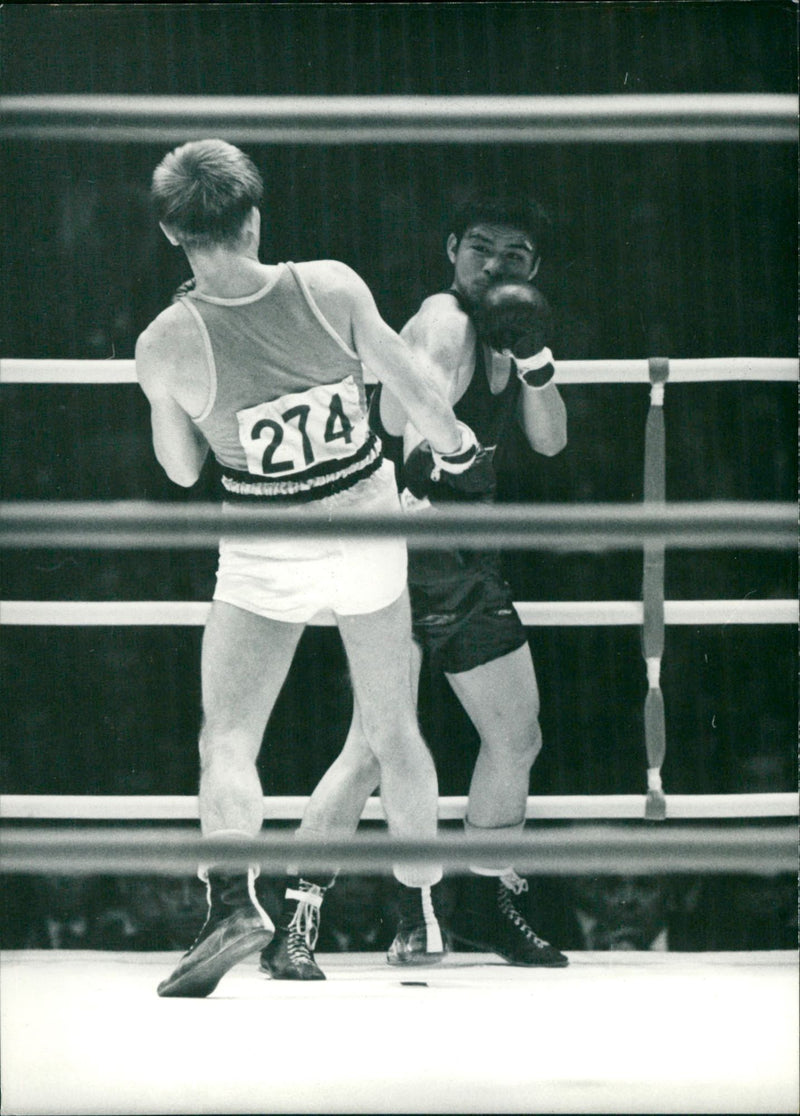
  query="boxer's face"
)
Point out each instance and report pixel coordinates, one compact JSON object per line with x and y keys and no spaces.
{"x":488,"y":254}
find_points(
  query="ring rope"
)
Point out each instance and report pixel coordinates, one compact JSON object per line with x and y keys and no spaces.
{"x":534,"y":614}
{"x":15,"y":370}
{"x":451,"y":119}
{"x":593,"y":850}
{"x":153,"y":525}
{"x":573,"y":807}
{"x":614,"y":118}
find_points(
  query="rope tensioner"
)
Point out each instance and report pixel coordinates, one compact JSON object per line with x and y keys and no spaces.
{"x":614,"y":118}
{"x":593,"y":850}
{"x":655,"y":469}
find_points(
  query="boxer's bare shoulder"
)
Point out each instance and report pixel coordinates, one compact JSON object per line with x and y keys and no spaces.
{"x":335,"y":289}
{"x":171,"y":357}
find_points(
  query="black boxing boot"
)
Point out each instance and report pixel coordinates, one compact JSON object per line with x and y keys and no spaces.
{"x":491,"y":920}
{"x":236,"y":925}
{"x":290,"y":954}
{"x":420,"y":938}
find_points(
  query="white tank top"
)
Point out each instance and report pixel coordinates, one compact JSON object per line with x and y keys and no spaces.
{"x":286,"y":415}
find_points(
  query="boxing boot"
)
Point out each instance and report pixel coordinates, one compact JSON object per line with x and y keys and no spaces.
{"x":420,"y":939}
{"x":290,"y":954}
{"x":236,"y":925}
{"x":490,"y":920}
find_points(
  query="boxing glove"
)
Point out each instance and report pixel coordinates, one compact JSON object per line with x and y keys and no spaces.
{"x":515,"y":319}
{"x":421,"y":477}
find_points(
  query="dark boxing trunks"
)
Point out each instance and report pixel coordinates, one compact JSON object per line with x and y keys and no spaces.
{"x":462,"y":608}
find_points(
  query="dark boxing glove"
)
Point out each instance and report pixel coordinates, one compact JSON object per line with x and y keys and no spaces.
{"x":466,"y":474}
{"x":392,"y":444}
{"x":515,"y":319}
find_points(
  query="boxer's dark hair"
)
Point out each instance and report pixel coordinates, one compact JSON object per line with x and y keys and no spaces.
{"x":202,"y":192}
{"x":515,"y":212}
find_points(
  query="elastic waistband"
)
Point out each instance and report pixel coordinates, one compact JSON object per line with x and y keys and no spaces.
{"x":240,"y":486}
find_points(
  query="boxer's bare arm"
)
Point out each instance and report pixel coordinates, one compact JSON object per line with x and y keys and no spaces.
{"x":179,"y":446}
{"x":441,"y":337}
{"x":543,"y":417}
{"x":338,"y":290}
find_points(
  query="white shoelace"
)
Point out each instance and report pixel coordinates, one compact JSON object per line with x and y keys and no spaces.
{"x":305,"y":920}
{"x":514,"y":882}
{"x":511,"y":883}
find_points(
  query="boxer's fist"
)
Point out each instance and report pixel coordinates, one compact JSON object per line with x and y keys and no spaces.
{"x":514,"y":318}
{"x":421,"y":477}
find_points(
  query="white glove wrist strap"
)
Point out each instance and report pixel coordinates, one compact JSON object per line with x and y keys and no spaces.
{"x":533,"y":363}
{"x":537,"y":371}
{"x":460,"y":459}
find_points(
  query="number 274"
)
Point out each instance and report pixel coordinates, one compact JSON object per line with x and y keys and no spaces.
{"x":338,"y":427}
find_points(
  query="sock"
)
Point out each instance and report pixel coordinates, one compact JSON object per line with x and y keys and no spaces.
{"x":417,"y":875}
{"x":485,"y":832}
{"x":321,"y":879}
{"x":224,"y":835}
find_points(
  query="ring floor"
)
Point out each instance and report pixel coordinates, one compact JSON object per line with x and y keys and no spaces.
{"x":85,"y":1032}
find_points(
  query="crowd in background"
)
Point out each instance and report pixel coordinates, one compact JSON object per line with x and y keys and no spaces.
{"x":600,"y":913}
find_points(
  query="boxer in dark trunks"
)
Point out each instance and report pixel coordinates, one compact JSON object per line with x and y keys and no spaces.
{"x":485,"y":338}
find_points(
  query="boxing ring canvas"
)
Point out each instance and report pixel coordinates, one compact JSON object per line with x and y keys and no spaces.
{"x":84,"y":1033}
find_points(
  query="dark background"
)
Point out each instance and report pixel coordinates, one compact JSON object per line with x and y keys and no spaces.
{"x":684,"y":250}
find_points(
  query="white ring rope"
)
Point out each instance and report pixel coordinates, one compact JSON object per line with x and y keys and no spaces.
{"x":534,"y":614}
{"x":572,"y":807}
{"x":594,"y":850}
{"x":614,"y":118}
{"x":14,"y":370}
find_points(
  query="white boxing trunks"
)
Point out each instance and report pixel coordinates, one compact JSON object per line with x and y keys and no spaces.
{"x":295,"y":579}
